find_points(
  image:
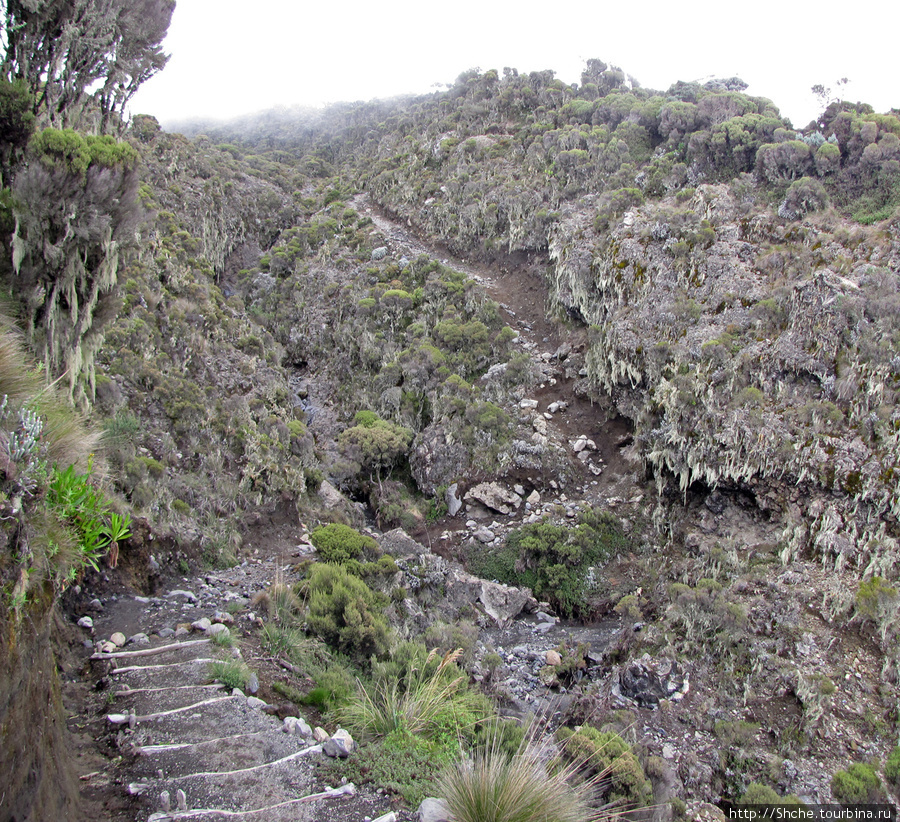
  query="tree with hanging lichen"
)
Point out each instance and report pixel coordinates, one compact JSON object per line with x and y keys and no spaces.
{"x":69,"y":207}
{"x":75,"y":212}
{"x":82,"y":57}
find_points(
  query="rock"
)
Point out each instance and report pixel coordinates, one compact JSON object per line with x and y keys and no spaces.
{"x":181,"y":631}
{"x":553,"y":658}
{"x":96,"y":605}
{"x":320,"y":734}
{"x":202,"y":624}
{"x":86,"y":622}
{"x":528,"y":404}
{"x":296,"y":726}
{"x":503,"y":603}
{"x":106,"y":647}
{"x":540,"y":426}
{"x":138,"y":639}
{"x":433,"y":810}
{"x":118,"y":639}
{"x":437,"y":459}
{"x":495,"y":497}
{"x":187,"y":596}
{"x":543,"y":627}
{"x":454,"y":503}
{"x":254,"y":702}
{"x":218,"y":630}
{"x":543,"y":616}
{"x":563,"y":351}
{"x":223,"y":618}
{"x":340,"y":745}
{"x":647,"y":682}
{"x":484,"y":534}
{"x":252,"y":682}
{"x":534,"y":498}
{"x":668,"y":751}
{"x":379,"y":253}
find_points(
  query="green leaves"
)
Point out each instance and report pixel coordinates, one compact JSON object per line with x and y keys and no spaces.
{"x":81,"y":505}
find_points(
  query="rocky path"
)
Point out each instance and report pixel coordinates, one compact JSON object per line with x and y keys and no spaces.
{"x":595,"y":464}
{"x":190,"y":744}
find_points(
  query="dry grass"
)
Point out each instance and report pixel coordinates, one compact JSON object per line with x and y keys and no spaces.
{"x":532,"y":785}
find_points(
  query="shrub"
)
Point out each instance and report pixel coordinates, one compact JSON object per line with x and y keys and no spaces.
{"x":859,"y":784}
{"x":554,"y":560}
{"x":606,"y":753}
{"x":340,"y":543}
{"x":892,"y":768}
{"x":803,"y":196}
{"x":346,"y":613}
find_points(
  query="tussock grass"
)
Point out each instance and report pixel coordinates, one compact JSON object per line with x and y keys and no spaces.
{"x":418,"y":706}
{"x":530,"y":785}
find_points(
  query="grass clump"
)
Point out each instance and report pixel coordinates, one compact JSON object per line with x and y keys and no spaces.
{"x":529,"y":785}
{"x":430,"y":700}
{"x":232,"y":673}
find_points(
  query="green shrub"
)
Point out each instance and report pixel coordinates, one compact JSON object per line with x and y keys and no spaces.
{"x":859,"y":784}
{"x":340,"y":543}
{"x":892,"y":768}
{"x":605,"y":752}
{"x":347,"y":614}
{"x":553,"y":559}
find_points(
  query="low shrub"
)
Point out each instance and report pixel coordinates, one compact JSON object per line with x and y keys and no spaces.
{"x":605,"y":753}
{"x":340,"y":543}
{"x":857,"y":785}
{"x":347,"y":614}
{"x":892,"y":768}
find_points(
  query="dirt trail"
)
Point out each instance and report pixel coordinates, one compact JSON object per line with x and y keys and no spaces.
{"x":518,"y":287}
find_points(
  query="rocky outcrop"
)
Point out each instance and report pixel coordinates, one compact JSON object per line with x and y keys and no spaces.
{"x":739,"y":377}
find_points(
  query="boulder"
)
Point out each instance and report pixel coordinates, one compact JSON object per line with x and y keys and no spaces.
{"x":646,"y":681}
{"x":503,"y":603}
{"x":495,"y":497}
{"x":454,"y":503}
{"x":340,"y":745}
{"x":433,"y":810}
{"x":437,"y":459}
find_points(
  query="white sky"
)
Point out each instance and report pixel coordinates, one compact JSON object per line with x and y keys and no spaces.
{"x":231,"y":57}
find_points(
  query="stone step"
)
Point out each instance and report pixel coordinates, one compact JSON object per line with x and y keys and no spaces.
{"x":220,"y":717}
{"x":144,"y":701}
{"x":309,"y":807}
{"x":250,"y":788}
{"x":216,"y":755}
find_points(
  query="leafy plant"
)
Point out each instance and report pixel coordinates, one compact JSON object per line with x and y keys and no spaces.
{"x":76,"y":500}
